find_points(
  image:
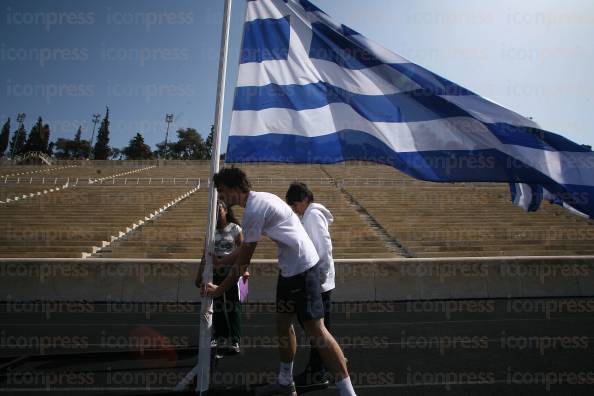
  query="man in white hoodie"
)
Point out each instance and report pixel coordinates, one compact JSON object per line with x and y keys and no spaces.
{"x":316,"y":220}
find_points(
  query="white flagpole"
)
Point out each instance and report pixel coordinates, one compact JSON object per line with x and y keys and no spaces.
{"x":202,"y":370}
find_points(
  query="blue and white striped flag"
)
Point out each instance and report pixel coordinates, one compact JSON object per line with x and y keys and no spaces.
{"x":310,"y":90}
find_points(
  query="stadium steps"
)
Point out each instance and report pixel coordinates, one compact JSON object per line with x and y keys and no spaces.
{"x":391,"y":243}
{"x":448,"y":220}
{"x":180,"y":227}
{"x":180,"y":232}
{"x":430,"y":219}
{"x":83,"y":214}
{"x":136,"y":226}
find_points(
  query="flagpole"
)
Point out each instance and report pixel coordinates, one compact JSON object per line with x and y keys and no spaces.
{"x":202,"y":369}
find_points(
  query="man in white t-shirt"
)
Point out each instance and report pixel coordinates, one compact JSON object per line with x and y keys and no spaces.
{"x":298,"y":289}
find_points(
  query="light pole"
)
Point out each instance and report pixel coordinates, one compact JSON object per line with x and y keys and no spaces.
{"x":95,"y":120}
{"x":20,"y":120}
{"x":168,"y":120}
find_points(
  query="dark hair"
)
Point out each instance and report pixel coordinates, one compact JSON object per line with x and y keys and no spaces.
{"x":232,"y":177}
{"x":230,"y":217}
{"x":297,"y":192}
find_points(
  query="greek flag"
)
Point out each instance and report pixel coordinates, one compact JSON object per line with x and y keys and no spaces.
{"x":310,"y":90}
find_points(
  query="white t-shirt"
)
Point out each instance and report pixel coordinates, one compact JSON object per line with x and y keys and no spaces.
{"x":267,"y":214}
{"x":225,"y":239}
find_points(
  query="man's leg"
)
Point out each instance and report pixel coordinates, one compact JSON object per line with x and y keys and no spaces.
{"x":314,"y":374}
{"x":287,"y":341}
{"x":285,"y":313}
{"x":331,"y":354}
{"x":327,"y":347}
{"x":315,"y":360}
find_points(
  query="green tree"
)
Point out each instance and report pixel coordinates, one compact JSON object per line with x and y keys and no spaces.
{"x":35,"y":140}
{"x":102,"y":150}
{"x":137,"y":149}
{"x":72,"y":149}
{"x":4,"y":137}
{"x":209,"y":142}
{"x":17,"y":143}
{"x":80,"y":147}
{"x":63,"y":149}
{"x":160,"y":152}
{"x":190,"y":145}
{"x":45,"y":136}
{"x":77,"y":143}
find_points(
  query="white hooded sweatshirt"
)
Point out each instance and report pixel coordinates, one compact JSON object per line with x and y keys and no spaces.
{"x":316,"y":221}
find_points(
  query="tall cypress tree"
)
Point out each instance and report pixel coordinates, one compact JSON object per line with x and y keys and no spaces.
{"x":137,"y":149}
{"x":45,"y":136}
{"x":102,"y":150}
{"x":209,"y":142}
{"x":4,"y":137}
{"x":17,"y":143}
{"x":35,"y":140}
{"x":77,"y":143}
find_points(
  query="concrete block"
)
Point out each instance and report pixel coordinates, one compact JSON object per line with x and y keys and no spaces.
{"x":354,"y":282}
{"x":19,"y":281}
{"x":186,"y":289}
{"x":546,"y":279}
{"x":469,"y":287}
{"x":392,"y":283}
{"x":150,"y":281}
{"x":501,"y":282}
{"x":82,"y":281}
{"x":586,"y":282}
{"x":432,"y":287}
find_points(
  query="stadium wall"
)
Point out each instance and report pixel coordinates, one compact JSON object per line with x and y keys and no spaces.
{"x":140,"y":280}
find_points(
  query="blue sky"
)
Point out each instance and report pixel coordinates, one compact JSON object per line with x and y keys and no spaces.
{"x":65,"y":59}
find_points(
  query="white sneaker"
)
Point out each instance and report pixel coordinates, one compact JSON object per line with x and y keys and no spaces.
{"x":276,"y":390}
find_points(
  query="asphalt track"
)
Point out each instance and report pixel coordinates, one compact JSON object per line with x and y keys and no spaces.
{"x":486,"y":347}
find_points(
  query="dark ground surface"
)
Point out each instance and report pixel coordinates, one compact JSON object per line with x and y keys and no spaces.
{"x":486,"y":347}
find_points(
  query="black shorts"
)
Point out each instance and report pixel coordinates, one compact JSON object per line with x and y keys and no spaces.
{"x":301,"y":295}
